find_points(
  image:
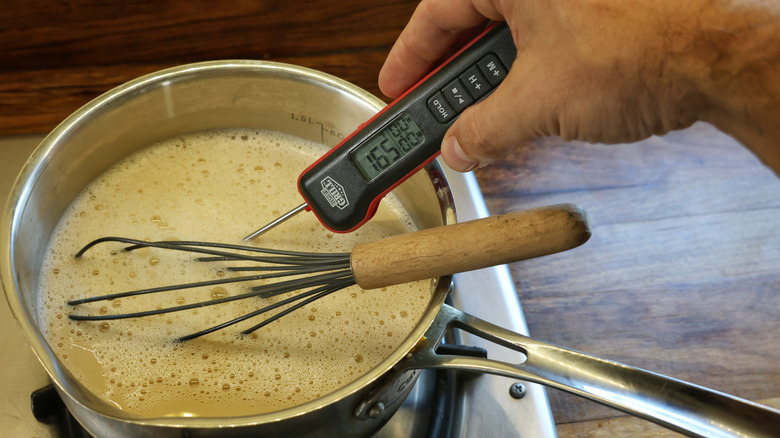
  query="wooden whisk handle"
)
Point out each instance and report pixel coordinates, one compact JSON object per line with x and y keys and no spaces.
{"x":469,"y":245}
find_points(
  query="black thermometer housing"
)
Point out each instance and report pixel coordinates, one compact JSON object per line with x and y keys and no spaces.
{"x":344,"y":187}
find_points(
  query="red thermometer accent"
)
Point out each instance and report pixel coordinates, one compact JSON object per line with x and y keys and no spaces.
{"x":343,"y":188}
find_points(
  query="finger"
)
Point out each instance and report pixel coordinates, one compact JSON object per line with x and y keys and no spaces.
{"x":489,"y":130}
{"x":431,"y":31}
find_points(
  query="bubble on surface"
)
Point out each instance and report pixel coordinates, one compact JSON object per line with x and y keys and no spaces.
{"x":162,"y":192}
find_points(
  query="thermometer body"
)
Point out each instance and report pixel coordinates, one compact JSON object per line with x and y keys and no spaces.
{"x":344,"y":187}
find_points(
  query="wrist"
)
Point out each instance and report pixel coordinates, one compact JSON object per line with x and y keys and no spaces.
{"x":736,"y":50}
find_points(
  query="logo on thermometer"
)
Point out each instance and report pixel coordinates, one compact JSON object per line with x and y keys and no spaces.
{"x":334,"y":193}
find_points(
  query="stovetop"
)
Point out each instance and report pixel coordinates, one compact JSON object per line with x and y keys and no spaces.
{"x":482,"y":405}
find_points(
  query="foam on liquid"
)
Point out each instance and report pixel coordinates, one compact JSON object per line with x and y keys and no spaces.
{"x":212,"y":186}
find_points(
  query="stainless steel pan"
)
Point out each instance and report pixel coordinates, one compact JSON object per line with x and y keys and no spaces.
{"x":319,"y":107}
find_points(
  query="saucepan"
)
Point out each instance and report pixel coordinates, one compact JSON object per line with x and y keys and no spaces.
{"x":322,"y":108}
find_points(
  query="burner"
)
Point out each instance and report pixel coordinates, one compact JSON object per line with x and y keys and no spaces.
{"x":47,"y":407}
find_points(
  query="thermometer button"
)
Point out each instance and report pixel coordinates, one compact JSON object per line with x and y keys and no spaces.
{"x":475,"y":83}
{"x":456,"y":94}
{"x":440,"y":108}
{"x":492,"y":68}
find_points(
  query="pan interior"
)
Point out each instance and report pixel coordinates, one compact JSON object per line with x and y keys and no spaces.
{"x":175,"y":103}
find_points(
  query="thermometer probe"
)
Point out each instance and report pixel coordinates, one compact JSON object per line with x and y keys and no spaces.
{"x":343,"y":188}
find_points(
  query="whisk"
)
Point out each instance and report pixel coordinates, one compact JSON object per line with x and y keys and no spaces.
{"x":403,"y":258}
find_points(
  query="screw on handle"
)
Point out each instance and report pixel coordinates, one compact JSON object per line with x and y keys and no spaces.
{"x":471,"y":245}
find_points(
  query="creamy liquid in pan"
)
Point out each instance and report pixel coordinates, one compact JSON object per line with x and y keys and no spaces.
{"x":213,"y":186}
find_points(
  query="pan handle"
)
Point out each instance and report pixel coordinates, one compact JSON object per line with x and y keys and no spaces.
{"x":684,"y":407}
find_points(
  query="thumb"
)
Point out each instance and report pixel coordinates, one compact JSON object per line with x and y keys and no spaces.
{"x":486,"y":131}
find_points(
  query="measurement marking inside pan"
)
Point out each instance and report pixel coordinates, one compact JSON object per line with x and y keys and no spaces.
{"x":324,"y":130}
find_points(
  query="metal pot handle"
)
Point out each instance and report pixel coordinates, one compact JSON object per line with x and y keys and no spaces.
{"x":675,"y":404}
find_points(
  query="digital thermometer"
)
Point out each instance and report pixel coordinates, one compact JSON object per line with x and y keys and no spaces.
{"x":343,"y":188}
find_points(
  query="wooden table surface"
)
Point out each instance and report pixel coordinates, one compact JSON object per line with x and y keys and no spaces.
{"x":680,"y":277}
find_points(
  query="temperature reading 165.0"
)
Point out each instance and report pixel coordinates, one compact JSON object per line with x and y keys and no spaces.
{"x":387,"y":146}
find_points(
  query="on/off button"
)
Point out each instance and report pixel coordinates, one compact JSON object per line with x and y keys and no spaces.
{"x":440,"y":108}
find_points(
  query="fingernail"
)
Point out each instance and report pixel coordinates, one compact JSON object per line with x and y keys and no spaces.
{"x":457,"y":159}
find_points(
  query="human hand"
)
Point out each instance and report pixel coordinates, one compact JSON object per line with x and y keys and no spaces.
{"x":609,"y":71}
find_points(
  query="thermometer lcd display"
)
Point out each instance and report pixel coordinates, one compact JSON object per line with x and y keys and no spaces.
{"x":387,"y":146}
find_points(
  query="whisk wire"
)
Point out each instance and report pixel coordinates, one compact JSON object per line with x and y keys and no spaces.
{"x":109,"y":297}
{"x":278,"y":274}
{"x":265,"y":291}
{"x":323,"y":291}
{"x":318,"y":293}
{"x":333,"y":273}
{"x":183,"y":245}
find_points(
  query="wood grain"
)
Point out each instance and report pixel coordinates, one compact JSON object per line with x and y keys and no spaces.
{"x":470,"y":245}
{"x":681,"y":275}
{"x":35,"y":101}
{"x":59,"y":55}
